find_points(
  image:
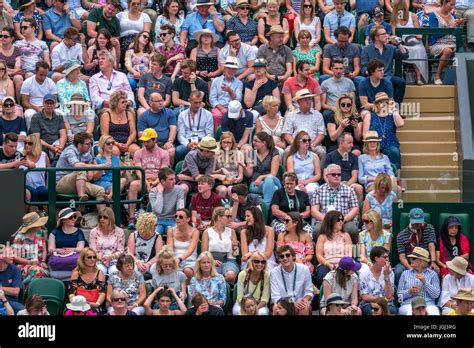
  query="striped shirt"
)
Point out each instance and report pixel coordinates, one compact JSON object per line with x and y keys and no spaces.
{"x":428,"y":236}
{"x":342,"y":199}
{"x":430,"y":290}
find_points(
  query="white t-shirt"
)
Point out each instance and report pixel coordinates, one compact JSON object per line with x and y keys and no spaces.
{"x":61,"y":54}
{"x":37,"y":91}
{"x":127,"y":26}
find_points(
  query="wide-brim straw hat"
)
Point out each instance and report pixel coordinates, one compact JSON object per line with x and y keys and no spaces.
{"x":420,"y":253}
{"x":301,"y":94}
{"x":275,"y":29}
{"x":458,"y":264}
{"x":381,"y":96}
{"x":464,"y":294}
{"x":197,"y":36}
{"x":32,"y":220}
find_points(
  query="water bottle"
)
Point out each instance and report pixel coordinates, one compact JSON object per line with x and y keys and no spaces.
{"x":141,"y":66}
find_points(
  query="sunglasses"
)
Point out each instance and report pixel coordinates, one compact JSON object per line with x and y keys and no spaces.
{"x":338,"y":305}
{"x":366,"y":221}
{"x":4,"y":36}
{"x":287,"y":221}
{"x":74,"y":217}
{"x":335,"y":174}
{"x":259,"y":262}
{"x":346,"y":105}
{"x":285,"y":256}
{"x":91,"y":257}
{"x":119,"y":299}
{"x":227,"y":216}
{"x":146,"y":37}
{"x":163,"y":34}
{"x":305,"y":140}
{"x":124,"y":101}
{"x":340,"y":219}
{"x":375,"y":309}
{"x":7,"y":105}
{"x":135,"y":4}
{"x":226,"y":142}
{"x":28,"y":143}
{"x":24,"y":27}
{"x":308,"y":6}
{"x":179,"y":216}
{"x":103,"y":217}
{"x":109,"y":142}
{"x":244,"y":8}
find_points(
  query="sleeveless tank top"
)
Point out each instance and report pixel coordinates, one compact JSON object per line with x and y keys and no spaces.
{"x":269,"y":26}
{"x":179,"y":248}
{"x":144,"y":248}
{"x":334,"y":249}
{"x":275,"y":132}
{"x":216,"y":244}
{"x":206,"y":61}
{"x":36,"y":179}
{"x":119,"y":131}
{"x":10,"y":61}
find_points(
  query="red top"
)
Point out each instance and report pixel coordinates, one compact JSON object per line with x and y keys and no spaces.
{"x":465,"y":248}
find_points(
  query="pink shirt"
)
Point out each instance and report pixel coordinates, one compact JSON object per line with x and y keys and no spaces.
{"x":151,"y":161}
{"x":106,"y":245}
{"x":335,"y":249}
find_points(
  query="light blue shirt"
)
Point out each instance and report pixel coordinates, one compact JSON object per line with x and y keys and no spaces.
{"x":464,"y":4}
{"x":430,"y":291}
{"x":57,"y":23}
{"x":369,"y":167}
{"x":124,"y":4}
{"x":304,"y":167}
{"x":203,"y":125}
{"x":194,"y":23}
{"x":219,"y":96}
{"x":331,"y":21}
{"x":384,"y":208}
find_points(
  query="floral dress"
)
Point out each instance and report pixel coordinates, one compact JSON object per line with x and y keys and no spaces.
{"x":301,"y":249}
{"x":31,"y":249}
{"x":446,"y":41}
{"x":131,"y":286}
{"x":214,"y":288}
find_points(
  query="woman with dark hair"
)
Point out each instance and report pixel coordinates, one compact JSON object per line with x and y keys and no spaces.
{"x":133,"y":22}
{"x":183,"y":240}
{"x":34,"y":305}
{"x":304,"y":163}
{"x":304,"y":52}
{"x":103,"y":43}
{"x":164,"y":296}
{"x":12,"y":56}
{"x":256,"y":236}
{"x":299,"y":239}
{"x":332,"y":245}
{"x":206,"y":55}
{"x":284,"y":307}
{"x":254,"y":281}
{"x":379,"y":307}
{"x":263,"y":169}
{"x":137,"y":58}
{"x":452,"y":243}
{"x":172,"y":16}
{"x":288,"y":199}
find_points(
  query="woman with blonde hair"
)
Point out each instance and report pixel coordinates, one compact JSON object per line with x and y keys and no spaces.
{"x":36,"y":186}
{"x":108,"y":241}
{"x":119,"y":123}
{"x":88,"y":280}
{"x":272,"y":122}
{"x":248,"y":305}
{"x":221,"y":241}
{"x":254,"y":281}
{"x":144,"y":244}
{"x":207,"y":281}
{"x":345,"y":119}
{"x":6,"y":84}
{"x":372,"y":235}
{"x":119,"y":300}
{"x":227,"y":166}
{"x":272,"y":18}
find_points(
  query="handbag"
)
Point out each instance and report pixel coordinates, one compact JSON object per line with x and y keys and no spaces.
{"x":219,"y":256}
{"x":91,"y":295}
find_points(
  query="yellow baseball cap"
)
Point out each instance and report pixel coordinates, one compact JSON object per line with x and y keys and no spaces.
{"x":148,"y":134}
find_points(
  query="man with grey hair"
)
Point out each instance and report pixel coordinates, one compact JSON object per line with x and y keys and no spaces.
{"x":108,"y":81}
{"x":333,"y":195}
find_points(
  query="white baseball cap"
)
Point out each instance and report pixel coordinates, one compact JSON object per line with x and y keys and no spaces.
{"x":233,"y":111}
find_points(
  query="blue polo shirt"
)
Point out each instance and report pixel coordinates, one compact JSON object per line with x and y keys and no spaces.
{"x":159,"y":121}
{"x":389,"y":53}
{"x":194,"y":23}
{"x":237,"y":127}
{"x":366,"y":89}
{"x":333,"y":21}
{"x":11,"y":277}
{"x":57,"y":23}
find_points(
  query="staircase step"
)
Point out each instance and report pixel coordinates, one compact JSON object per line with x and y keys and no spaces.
{"x":433,"y":172}
{"x":429,"y":123}
{"x":430,"y":159}
{"x":428,"y":184}
{"x":432,"y":196}
{"x":429,"y":135}
{"x":427,"y":146}
{"x":430,"y":91}
{"x":432,"y":105}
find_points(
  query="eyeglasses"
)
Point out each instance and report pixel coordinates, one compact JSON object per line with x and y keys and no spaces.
{"x":305,"y":140}
{"x":179,"y":216}
{"x":146,"y":37}
{"x":366,"y":221}
{"x":259,"y":262}
{"x":384,"y":257}
{"x":24,"y":27}
{"x":335,"y":174}
{"x":136,"y":4}
{"x":28,"y":143}
{"x":340,"y":219}
{"x":163,"y":34}
{"x":285,"y":256}
{"x":91,"y":257}
{"x":109,"y":142}
{"x":308,"y":6}
{"x":103,"y":217}
{"x":375,"y":309}
{"x":287,"y":221}
{"x":119,"y":299}
{"x":346,"y":105}
{"x":4,"y":36}
{"x":7,"y":105}
{"x":244,"y":8}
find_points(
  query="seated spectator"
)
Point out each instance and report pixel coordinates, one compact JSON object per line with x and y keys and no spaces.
{"x":423,"y":10}
{"x":88,"y":280}
{"x":248,"y":306}
{"x":12,"y":56}
{"x":108,"y":240}
{"x":34,"y":89}
{"x":7,"y":86}
{"x":364,"y":9}
{"x":381,"y":199}
{"x":258,"y":88}
{"x":272,"y":122}
{"x":137,"y":58}
{"x":241,"y":201}
{"x":224,"y":89}
{"x":378,"y":20}
{"x":78,"y":117}
{"x":333,"y":195}
{"x":12,"y":122}
{"x":170,"y":47}
{"x":65,"y":242}
{"x":68,"y":49}
{"x":418,"y":306}
{"x":464,"y":302}
{"x":283,"y":308}
{"x":107,"y":81}
{"x":221,"y":242}
{"x":154,"y":82}
{"x":238,"y":123}
{"x":345,"y":282}
{"x":307,"y":20}
{"x":241,"y":24}
{"x":192,"y":126}
{"x":263,"y":172}
{"x":254,"y":282}
{"x":106,"y":158}
{"x":372,"y":163}
{"x":71,"y":85}
{"x":166,"y":191}
{"x":164,"y":298}
{"x":79,"y":306}
{"x":373,"y":234}
{"x":104,"y":17}
{"x":334,"y":87}
{"x":278,"y":56}
{"x":301,"y":80}
{"x":374,"y":84}
{"x":184,"y":86}
{"x":183,"y":239}
{"x":457,"y":278}
{"x":332,"y":244}
{"x":402,"y":18}
{"x":59,"y":18}
{"x":36,"y":185}
{"x":208,"y":282}
{"x":129,"y":280}
{"x":29,"y":245}
{"x":335,"y":304}
{"x":285,"y":281}
{"x":119,"y":123}
{"x":419,"y":280}
{"x":205,"y":16}
{"x":10,"y":287}
{"x":102,"y":43}
{"x":452,"y":243}
{"x":299,"y":239}
{"x":345,"y":119}
{"x":171,"y":16}
{"x":166,"y":273}
{"x":34,"y":306}
{"x":385,"y":120}
{"x":201,"y":306}
{"x":308,"y":119}
{"x":391,"y":49}
{"x":145,"y":244}
{"x":78,"y":182}
{"x":10,"y":157}
{"x":119,"y":303}
{"x":228,"y":166}
{"x":32,"y":49}
{"x":270,"y":18}
{"x":335,"y":19}
{"x":377,"y":282}
{"x":245,"y":54}
{"x":304,"y":163}
{"x":27,"y":10}
{"x":256,"y":237}
{"x":311,"y":55}
{"x":48,"y":125}
{"x":417,"y":234}
{"x":197,"y":163}
{"x":443,"y":47}
{"x":206,"y":55}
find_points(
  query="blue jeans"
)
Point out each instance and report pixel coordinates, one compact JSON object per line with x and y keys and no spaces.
{"x":163,"y":224}
{"x":399,"y":86}
{"x":39,"y":194}
{"x":133,"y":83}
{"x":181,"y":152}
{"x":267,"y":188}
{"x":393,"y":154}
